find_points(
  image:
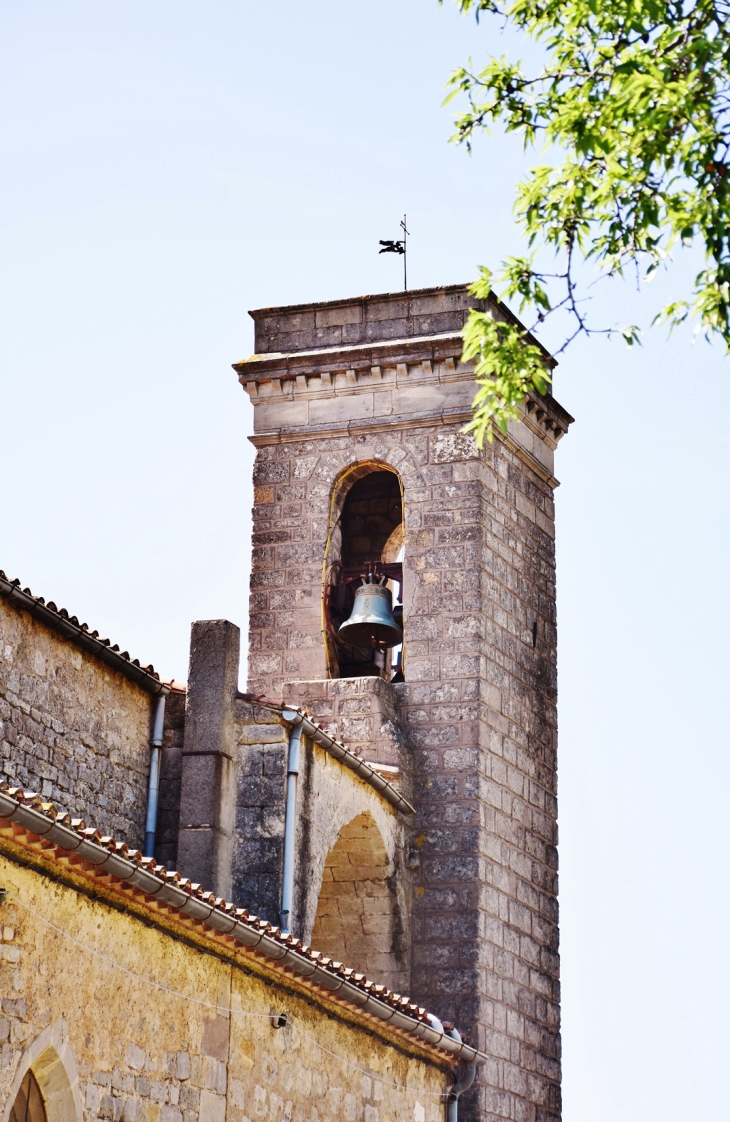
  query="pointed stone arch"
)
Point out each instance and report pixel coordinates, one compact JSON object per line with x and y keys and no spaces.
{"x":358,"y":919}
{"x":52,"y":1067}
{"x":29,"y":1105}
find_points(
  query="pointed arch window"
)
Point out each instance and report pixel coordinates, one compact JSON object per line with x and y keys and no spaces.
{"x":29,"y":1105}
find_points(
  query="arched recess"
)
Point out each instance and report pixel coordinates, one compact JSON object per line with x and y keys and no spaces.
{"x":366,"y":529}
{"x":358,"y":920}
{"x":48,"y":1063}
{"x":29,"y":1105}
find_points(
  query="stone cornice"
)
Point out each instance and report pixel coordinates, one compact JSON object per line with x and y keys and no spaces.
{"x":528,"y":459}
{"x":346,"y":301}
{"x":367,"y":320}
{"x":352,"y":428}
{"x":358,"y":356}
{"x":363,"y":366}
{"x":336,"y":373}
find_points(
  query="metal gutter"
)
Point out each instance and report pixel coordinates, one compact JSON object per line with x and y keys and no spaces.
{"x":168,"y":889}
{"x":465,"y":1076}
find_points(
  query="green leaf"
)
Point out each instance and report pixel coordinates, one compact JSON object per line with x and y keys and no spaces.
{"x":631,"y":105}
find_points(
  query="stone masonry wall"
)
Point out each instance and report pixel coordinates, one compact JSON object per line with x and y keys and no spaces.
{"x":357,"y":918}
{"x":359,"y":712}
{"x":478,"y":708}
{"x":72,"y":728}
{"x":126,"y":1051}
{"x":329,"y":798}
{"x":258,"y":849}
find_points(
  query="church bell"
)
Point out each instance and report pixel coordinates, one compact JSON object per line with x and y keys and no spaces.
{"x":371,"y":623}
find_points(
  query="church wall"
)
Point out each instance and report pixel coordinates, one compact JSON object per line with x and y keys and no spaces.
{"x":132,"y":1052}
{"x":360,"y":915}
{"x":359,"y":712}
{"x":461,"y":898}
{"x":72,"y":728}
{"x":258,"y":848}
{"x":329,"y":798}
{"x":171,"y":766}
{"x":479,"y":709}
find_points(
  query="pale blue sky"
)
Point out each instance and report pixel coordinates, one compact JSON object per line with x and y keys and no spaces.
{"x":167,"y":166}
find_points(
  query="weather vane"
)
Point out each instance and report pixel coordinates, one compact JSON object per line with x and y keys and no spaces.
{"x":399,"y":247}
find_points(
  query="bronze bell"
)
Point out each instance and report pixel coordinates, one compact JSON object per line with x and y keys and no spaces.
{"x":371,"y":623}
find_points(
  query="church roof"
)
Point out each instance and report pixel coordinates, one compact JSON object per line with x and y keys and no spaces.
{"x":59,"y":619}
{"x":61,"y":840}
{"x":374,"y":774}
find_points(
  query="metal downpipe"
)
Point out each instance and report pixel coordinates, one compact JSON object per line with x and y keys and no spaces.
{"x":153,"y":789}
{"x":465,"y":1075}
{"x":290,"y":828}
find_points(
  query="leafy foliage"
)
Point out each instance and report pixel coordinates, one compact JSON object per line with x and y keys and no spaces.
{"x":633,"y":106}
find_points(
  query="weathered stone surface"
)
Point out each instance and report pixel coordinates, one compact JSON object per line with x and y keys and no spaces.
{"x":474,"y":723}
{"x":105,"y":1043}
{"x":368,"y":319}
{"x":208,"y":784}
{"x":330,"y":799}
{"x":358,"y":915}
{"x":359,"y":712}
{"x":258,"y":849}
{"x":343,"y":823}
{"x":71,"y":727}
{"x":168,"y":811}
{"x":457,"y":906}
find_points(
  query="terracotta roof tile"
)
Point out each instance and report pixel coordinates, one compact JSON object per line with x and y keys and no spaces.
{"x":68,"y":625}
{"x":396,"y":1010}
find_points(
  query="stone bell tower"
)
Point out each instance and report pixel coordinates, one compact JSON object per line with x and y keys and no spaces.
{"x":359,"y":407}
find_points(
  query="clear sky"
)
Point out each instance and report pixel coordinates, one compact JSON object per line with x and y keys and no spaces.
{"x":169,"y":165}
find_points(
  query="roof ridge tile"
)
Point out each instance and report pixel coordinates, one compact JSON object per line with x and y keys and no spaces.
{"x":24,"y":598}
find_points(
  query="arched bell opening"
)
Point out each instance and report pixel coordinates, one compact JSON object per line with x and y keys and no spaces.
{"x":357,"y":911}
{"x":363,"y":612}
